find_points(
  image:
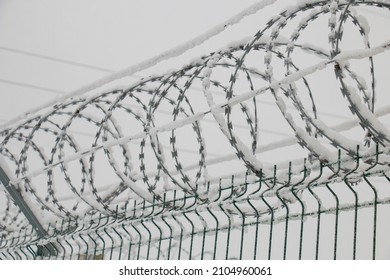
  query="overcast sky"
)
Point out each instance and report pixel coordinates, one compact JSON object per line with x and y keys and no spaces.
{"x":108,"y":34}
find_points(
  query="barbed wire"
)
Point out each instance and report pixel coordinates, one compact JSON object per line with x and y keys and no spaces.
{"x":136,"y":150}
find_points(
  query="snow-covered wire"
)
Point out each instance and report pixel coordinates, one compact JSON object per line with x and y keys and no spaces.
{"x":137,"y":131}
{"x":171,"y":53}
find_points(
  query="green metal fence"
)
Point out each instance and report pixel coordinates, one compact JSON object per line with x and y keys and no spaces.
{"x":175,"y":166}
{"x":323,"y":218}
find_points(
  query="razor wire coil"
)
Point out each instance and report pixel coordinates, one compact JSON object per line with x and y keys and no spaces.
{"x":139,"y":131}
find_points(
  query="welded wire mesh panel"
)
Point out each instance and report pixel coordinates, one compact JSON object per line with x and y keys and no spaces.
{"x":339,"y":219}
{"x":182,"y":165}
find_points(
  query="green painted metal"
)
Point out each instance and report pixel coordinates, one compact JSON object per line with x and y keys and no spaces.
{"x":18,"y":199}
{"x":48,"y":249}
{"x":242,"y":220}
{"x":242,"y":225}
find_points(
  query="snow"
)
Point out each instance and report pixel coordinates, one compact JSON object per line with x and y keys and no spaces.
{"x":363,"y":24}
{"x":289,"y":172}
{"x":317,"y":50}
{"x":333,"y":6}
{"x":289,"y":79}
{"x":265,"y":39}
{"x":336,"y":137}
{"x":332,"y":20}
{"x":139,"y":190}
{"x":4,"y":166}
{"x":216,"y":109}
{"x":365,"y":114}
{"x":359,"y":54}
{"x":173,"y":52}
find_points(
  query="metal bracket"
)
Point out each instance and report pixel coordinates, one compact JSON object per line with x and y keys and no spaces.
{"x":28,"y":213}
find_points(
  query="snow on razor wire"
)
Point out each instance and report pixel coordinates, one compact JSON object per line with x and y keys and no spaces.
{"x":106,"y":149}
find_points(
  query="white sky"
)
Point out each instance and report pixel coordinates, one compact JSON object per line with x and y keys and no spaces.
{"x":107,"y":34}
